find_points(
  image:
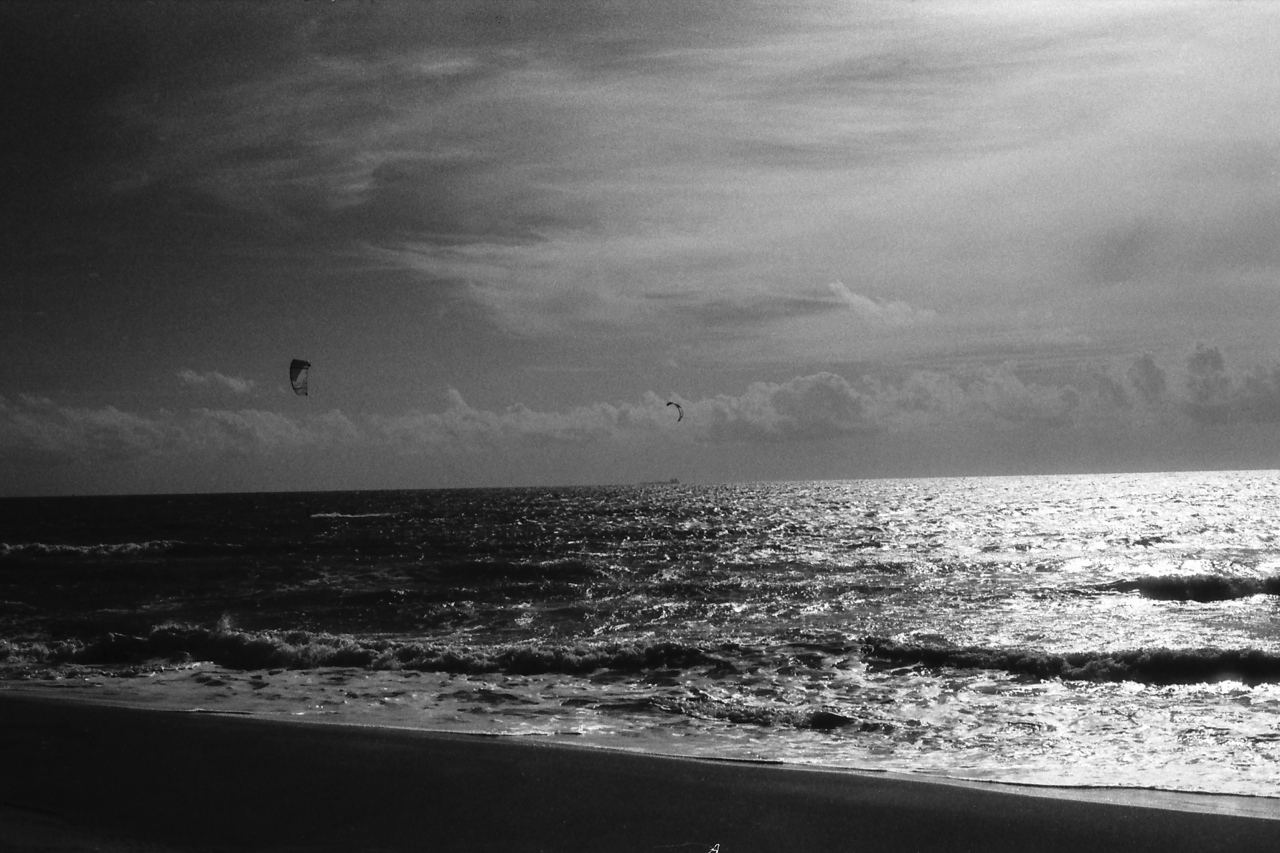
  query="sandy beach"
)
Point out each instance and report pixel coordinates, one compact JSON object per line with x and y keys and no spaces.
{"x":80,"y":776}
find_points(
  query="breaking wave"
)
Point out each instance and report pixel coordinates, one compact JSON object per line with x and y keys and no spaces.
{"x":733,"y":710}
{"x":1195,"y":587}
{"x":1159,"y":666}
{"x":305,"y":650}
{"x":249,"y":650}
{"x":121,"y":549}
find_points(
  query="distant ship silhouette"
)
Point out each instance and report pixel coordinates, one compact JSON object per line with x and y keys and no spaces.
{"x":672,"y":482}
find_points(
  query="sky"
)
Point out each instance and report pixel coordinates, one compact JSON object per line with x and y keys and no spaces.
{"x":867,"y":238}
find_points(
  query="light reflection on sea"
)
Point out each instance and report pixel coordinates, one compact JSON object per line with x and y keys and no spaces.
{"x":779,"y":584}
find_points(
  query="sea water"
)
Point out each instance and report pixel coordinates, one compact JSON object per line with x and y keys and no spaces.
{"x":1114,"y":630}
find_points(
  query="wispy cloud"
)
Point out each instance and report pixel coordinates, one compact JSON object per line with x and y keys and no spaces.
{"x":234,"y":384}
{"x":573,"y":176}
{"x":881,"y":312}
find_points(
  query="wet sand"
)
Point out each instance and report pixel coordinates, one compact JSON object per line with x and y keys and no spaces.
{"x":79,"y":776}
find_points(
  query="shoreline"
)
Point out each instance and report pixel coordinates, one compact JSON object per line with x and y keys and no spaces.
{"x":118,"y":775}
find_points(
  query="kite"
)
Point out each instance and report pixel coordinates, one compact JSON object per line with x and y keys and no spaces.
{"x":298,"y":376}
{"x":679,"y":410}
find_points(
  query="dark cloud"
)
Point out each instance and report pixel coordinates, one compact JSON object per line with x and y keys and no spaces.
{"x":233,"y":123}
{"x":74,"y":75}
{"x":1215,"y":396}
{"x":54,"y":80}
{"x":1147,"y":378}
{"x":1111,"y":391}
{"x":1209,"y":388}
{"x":1259,"y":399}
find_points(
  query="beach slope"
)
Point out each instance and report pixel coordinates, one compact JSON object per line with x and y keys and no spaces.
{"x":153,"y":780}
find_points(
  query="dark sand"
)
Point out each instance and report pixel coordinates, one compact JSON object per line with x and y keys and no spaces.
{"x":77,"y":776}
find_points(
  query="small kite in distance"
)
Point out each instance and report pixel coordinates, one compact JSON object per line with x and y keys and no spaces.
{"x":298,"y":376}
{"x":679,"y":411}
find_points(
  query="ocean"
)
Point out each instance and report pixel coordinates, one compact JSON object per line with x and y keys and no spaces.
{"x":1100,"y":630}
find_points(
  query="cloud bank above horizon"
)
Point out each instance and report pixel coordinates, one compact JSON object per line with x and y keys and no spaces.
{"x":921,"y":411}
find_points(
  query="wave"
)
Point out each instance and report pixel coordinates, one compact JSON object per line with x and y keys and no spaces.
{"x":567,"y":569}
{"x":706,"y":707}
{"x":42,"y":552}
{"x":121,"y":549}
{"x":305,"y":650}
{"x":1202,"y":588}
{"x":1158,"y":666}
{"x":250,"y":650}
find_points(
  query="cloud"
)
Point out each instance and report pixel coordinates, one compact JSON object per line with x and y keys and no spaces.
{"x":70,"y":434}
{"x":1147,"y":379}
{"x":66,"y":432}
{"x":1216,"y":397}
{"x":887,"y":313}
{"x":212,"y":377}
{"x":252,"y":431}
{"x":819,"y":406}
{"x":1131,"y":404}
{"x":598,"y":177}
{"x":462,"y":427}
{"x":745,"y":307}
{"x":1010,"y":399}
{"x":1259,"y":395}
{"x":1209,"y":388}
